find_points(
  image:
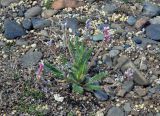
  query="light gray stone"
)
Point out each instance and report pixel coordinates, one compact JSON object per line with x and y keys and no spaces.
{"x":32,"y":12}
{"x":115,"y":111}
{"x":31,"y":58}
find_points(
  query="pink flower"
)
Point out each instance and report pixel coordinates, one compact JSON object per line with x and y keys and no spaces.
{"x":106,"y":34}
{"x":40,"y":69}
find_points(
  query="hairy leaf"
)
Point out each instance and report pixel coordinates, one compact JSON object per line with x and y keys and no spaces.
{"x":54,"y":70}
{"x":91,"y":87}
{"x":97,"y":77}
{"x":77,"y":89}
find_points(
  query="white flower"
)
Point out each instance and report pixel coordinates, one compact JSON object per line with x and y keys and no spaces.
{"x":58,"y":98}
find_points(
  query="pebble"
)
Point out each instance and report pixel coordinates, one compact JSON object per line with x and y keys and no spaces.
{"x":140,"y":91}
{"x":143,"y":66}
{"x":12,"y":29}
{"x":131,"y":20}
{"x":39,"y":23}
{"x":32,"y":12}
{"x":107,"y":60}
{"x":113,"y":53}
{"x":115,"y":111}
{"x":137,"y":40}
{"x":31,"y":58}
{"x":48,"y":13}
{"x":44,"y":33}
{"x":73,"y":24}
{"x":27,"y":24}
{"x":126,"y":87}
{"x":101,"y":95}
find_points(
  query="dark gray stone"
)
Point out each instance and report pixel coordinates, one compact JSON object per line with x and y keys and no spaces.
{"x":153,"y":32}
{"x":131,"y":20}
{"x":12,"y":29}
{"x":137,"y":40}
{"x":150,"y":9}
{"x":101,"y":95}
{"x":27,"y":24}
{"x":39,"y":23}
{"x":73,"y":24}
{"x":107,"y":60}
{"x":115,"y":111}
{"x":32,"y":12}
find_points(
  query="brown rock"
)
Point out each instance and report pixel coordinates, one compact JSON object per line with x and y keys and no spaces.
{"x":141,"y":22}
{"x":60,"y":4}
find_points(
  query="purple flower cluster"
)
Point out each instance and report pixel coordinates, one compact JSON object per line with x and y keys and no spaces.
{"x":129,"y":73}
{"x":106,"y":34}
{"x":88,"y":24}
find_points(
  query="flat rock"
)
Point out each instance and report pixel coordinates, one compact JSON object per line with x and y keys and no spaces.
{"x":7,"y":2}
{"x":150,"y":10}
{"x":31,"y":58}
{"x":153,"y":32}
{"x":32,"y":12}
{"x":12,"y":29}
{"x":124,"y":63}
{"x":115,"y":111}
{"x":39,"y":23}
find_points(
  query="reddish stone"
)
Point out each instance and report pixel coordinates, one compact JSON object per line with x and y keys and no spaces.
{"x":141,"y":22}
{"x":60,"y":4}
